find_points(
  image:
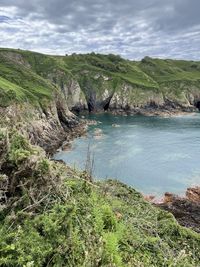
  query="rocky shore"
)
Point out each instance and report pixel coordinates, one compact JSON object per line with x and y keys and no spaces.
{"x":163,"y":112}
{"x":185,"y":209}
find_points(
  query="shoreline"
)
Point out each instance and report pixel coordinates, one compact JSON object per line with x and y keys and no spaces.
{"x":143,"y":112}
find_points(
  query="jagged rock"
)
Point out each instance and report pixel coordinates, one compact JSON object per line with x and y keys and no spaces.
{"x":169,"y":197}
{"x":149,"y":198}
{"x":193,"y":194}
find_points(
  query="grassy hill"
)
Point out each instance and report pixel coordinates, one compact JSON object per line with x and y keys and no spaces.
{"x":19,"y":82}
{"x":110,"y":65}
{"x":171,"y":70}
{"x":30,"y":76}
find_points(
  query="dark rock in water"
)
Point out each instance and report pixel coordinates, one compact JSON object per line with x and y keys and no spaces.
{"x":91,"y":122}
{"x":186,"y":210}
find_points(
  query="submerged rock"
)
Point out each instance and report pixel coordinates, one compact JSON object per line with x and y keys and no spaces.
{"x":115,"y":125}
{"x":98,"y":132}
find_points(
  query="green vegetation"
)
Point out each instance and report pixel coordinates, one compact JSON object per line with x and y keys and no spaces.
{"x":19,"y":83}
{"x":34,"y":77}
{"x":171,"y":70}
{"x":110,"y":65}
{"x":52,"y":215}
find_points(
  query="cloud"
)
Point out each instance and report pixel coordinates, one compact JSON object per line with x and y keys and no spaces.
{"x":131,"y":28}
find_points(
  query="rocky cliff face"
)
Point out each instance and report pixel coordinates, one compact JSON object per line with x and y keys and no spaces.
{"x":46,"y":126}
{"x":70,"y":88}
{"x":102,"y":93}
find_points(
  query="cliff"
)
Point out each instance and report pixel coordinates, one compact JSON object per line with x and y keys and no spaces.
{"x":34,"y":105}
{"x":96,"y":82}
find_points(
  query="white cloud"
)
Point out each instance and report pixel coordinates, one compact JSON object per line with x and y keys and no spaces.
{"x":132,"y":28}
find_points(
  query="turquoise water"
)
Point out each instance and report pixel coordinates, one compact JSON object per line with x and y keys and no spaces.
{"x":152,"y":154}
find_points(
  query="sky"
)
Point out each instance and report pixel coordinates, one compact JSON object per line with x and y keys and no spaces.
{"x":131,"y":28}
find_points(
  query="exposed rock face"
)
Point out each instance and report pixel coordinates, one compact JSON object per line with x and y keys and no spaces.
{"x":17,"y":58}
{"x":47,"y":127}
{"x":70,"y":88}
{"x":75,"y":97}
{"x":103,"y":93}
{"x":97,"y":89}
{"x":186,"y":210}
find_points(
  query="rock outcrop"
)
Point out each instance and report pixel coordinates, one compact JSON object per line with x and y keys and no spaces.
{"x":47,"y":127}
{"x":102,"y":94}
{"x":185,"y":209}
{"x":193,"y":194}
{"x":35,"y":99}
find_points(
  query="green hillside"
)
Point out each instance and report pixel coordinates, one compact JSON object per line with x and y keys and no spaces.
{"x":111,"y":65}
{"x":171,"y":70}
{"x":33,"y":77}
{"x":18,"y":81}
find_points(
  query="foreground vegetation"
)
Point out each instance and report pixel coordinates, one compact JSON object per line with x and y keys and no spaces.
{"x":52,"y":215}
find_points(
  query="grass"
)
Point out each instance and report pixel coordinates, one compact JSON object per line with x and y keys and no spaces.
{"x":10,"y":89}
{"x":171,"y":70}
{"x":110,"y":65}
{"x":108,"y":225}
{"x":24,"y":83}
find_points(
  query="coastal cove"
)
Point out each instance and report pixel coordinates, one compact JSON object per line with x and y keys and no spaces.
{"x":57,"y":214}
{"x":153,"y":154}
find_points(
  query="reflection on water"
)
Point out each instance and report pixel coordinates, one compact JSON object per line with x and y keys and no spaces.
{"x":153,"y":154}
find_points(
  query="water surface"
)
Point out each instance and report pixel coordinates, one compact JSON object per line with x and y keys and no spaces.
{"x":152,"y":154}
